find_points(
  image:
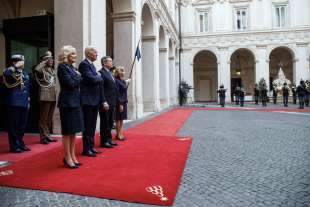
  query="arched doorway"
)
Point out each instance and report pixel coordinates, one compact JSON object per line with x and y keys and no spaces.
{"x":205,"y":76}
{"x":281,"y":57}
{"x":148,"y":61}
{"x":163,"y":69}
{"x":242,"y":70}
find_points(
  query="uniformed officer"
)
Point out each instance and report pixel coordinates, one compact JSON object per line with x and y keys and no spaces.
{"x":237,"y":95}
{"x":241,"y":96}
{"x":45,"y":76}
{"x":286,"y":92}
{"x":256,"y":93}
{"x":222,"y":95}
{"x":17,"y":100}
{"x":294,"y":92}
{"x":275,"y":93}
{"x":301,"y":92}
{"x":307,"y":94}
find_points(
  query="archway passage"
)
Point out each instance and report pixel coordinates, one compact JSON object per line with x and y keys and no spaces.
{"x":205,"y":76}
{"x":281,"y":57}
{"x":148,"y":61}
{"x":242,"y":70}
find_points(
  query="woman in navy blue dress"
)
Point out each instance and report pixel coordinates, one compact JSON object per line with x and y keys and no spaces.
{"x":69,"y":103}
{"x":121,"y":104}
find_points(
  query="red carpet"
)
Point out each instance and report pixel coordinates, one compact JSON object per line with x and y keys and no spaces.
{"x":245,"y":109}
{"x":30,"y":140}
{"x":166,"y":124}
{"x":124,"y":173}
{"x":146,"y":169}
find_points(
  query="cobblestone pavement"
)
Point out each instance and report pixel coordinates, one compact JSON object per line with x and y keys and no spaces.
{"x":238,"y":159}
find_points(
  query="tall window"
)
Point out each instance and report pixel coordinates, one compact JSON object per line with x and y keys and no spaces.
{"x":204,"y":21}
{"x":241,"y":19}
{"x":281,"y":20}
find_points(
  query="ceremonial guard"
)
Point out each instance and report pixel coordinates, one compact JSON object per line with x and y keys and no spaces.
{"x":222,"y":95}
{"x":45,"y":76}
{"x":241,"y":95}
{"x":237,"y":95}
{"x":256,"y":93}
{"x":301,"y":92}
{"x":294,"y":92}
{"x":274,"y":93}
{"x":307,"y":95}
{"x":286,"y":92}
{"x":17,"y":100}
{"x":263,"y":91}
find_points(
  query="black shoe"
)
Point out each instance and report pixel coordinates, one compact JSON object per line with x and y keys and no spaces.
{"x":69,"y":166}
{"x":113,"y":143}
{"x":17,"y":150}
{"x":89,"y":154}
{"x":44,"y":141}
{"x":51,"y":140}
{"x":95,"y":151}
{"x":78,"y":164}
{"x":106,"y":145}
{"x":25,"y":148}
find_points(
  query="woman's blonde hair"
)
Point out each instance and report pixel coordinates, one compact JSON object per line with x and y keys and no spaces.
{"x":65,"y":51}
{"x":119,"y":72}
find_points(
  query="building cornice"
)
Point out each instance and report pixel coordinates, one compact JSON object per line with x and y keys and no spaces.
{"x":124,"y":16}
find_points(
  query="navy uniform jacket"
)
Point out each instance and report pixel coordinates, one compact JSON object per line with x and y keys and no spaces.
{"x":122,"y":92}
{"x":69,"y":80}
{"x":90,"y":85}
{"x":17,"y":96}
{"x":109,"y":91}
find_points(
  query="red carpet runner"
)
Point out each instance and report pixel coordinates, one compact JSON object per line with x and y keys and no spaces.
{"x":145,"y":169}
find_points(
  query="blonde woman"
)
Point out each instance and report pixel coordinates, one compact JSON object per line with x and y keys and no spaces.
{"x":69,"y":103}
{"x":121,"y":104}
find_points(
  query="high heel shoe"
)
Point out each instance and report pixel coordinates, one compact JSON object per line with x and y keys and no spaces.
{"x":78,"y":164}
{"x":69,"y":166}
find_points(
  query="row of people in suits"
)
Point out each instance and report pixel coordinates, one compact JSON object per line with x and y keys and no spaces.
{"x":83,"y":93}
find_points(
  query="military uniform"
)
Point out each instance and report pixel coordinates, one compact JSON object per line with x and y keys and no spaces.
{"x":256,"y":94}
{"x":46,"y":78}
{"x":286,"y":92}
{"x":294,"y":92}
{"x":275,"y":94}
{"x":241,"y":95}
{"x":301,"y":92}
{"x":307,"y":95}
{"x":237,"y":95}
{"x":17,"y":100}
{"x":222,"y":95}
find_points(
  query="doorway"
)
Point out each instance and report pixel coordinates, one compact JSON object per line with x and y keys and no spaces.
{"x":235,"y":82}
{"x":31,"y":37}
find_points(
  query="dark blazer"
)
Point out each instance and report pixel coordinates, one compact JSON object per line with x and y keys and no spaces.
{"x":17,"y":96}
{"x":122,"y":92}
{"x":69,"y":80}
{"x":109,"y":92}
{"x":90,"y":85}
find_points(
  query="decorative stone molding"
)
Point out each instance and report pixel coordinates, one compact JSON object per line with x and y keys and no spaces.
{"x":124,"y":16}
{"x":150,"y":38}
{"x":163,"y":50}
{"x":203,"y":2}
{"x":239,"y":1}
{"x":302,"y":44}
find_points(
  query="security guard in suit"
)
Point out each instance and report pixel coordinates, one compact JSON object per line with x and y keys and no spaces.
{"x":17,"y":100}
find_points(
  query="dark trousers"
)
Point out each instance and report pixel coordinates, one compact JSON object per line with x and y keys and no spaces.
{"x":307,"y":99}
{"x":285,"y":100}
{"x":17,"y":122}
{"x":301,"y":100}
{"x":294,"y":99}
{"x":275,"y":99}
{"x":264,"y":101}
{"x":241,"y":101}
{"x":46,"y":118}
{"x":222,"y":101}
{"x":256,"y":100}
{"x":90,"y":114}
{"x":106,"y":124}
{"x":237,"y":99}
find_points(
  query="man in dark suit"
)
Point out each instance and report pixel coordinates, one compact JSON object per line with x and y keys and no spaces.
{"x":90,"y":100}
{"x":108,"y":99}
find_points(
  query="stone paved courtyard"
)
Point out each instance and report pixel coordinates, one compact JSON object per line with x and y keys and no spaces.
{"x":237,"y":159}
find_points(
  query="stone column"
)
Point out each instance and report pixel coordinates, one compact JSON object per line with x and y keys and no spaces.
{"x":124,"y":51}
{"x":164,"y":78}
{"x":172,"y":77}
{"x":262,"y":65}
{"x":301,"y":64}
{"x":224,"y":71}
{"x":79,"y":23}
{"x":149,"y":74}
